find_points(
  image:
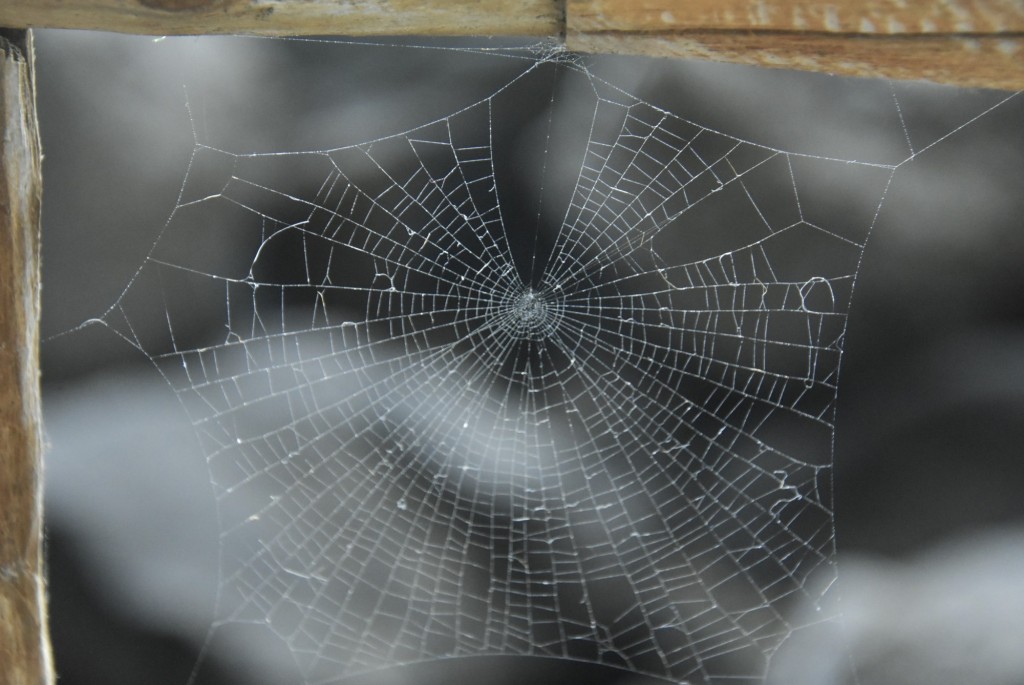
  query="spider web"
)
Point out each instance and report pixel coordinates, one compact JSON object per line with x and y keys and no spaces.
{"x":440,"y":424}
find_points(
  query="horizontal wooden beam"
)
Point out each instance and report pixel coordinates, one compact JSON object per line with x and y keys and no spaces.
{"x":893,"y":17}
{"x":292,"y":17}
{"x":962,"y":42}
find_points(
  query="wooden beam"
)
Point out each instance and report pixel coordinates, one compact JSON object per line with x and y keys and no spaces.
{"x":893,"y":17}
{"x":24,"y":645}
{"x":292,"y":17}
{"x":961,"y":42}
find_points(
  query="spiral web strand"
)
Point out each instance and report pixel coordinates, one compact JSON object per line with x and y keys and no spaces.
{"x":435,"y":431}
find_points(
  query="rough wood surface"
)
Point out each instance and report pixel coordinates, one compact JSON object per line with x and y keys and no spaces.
{"x":292,"y":17}
{"x":952,"y":60}
{"x":24,"y":647}
{"x":961,"y":42}
{"x":893,"y":17}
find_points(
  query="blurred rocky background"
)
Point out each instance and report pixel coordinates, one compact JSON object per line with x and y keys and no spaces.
{"x":929,"y":458}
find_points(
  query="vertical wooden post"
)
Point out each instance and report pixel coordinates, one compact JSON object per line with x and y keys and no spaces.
{"x":24,"y":644}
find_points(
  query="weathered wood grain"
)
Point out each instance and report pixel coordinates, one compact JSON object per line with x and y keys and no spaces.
{"x":24,"y":647}
{"x":292,"y":17}
{"x":954,"y":60}
{"x":962,"y":42}
{"x":887,"y":17}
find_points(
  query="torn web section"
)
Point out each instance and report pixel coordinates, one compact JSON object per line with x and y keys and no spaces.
{"x":440,"y":422}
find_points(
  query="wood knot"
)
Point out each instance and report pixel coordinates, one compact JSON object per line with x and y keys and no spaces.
{"x":182,"y":5}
